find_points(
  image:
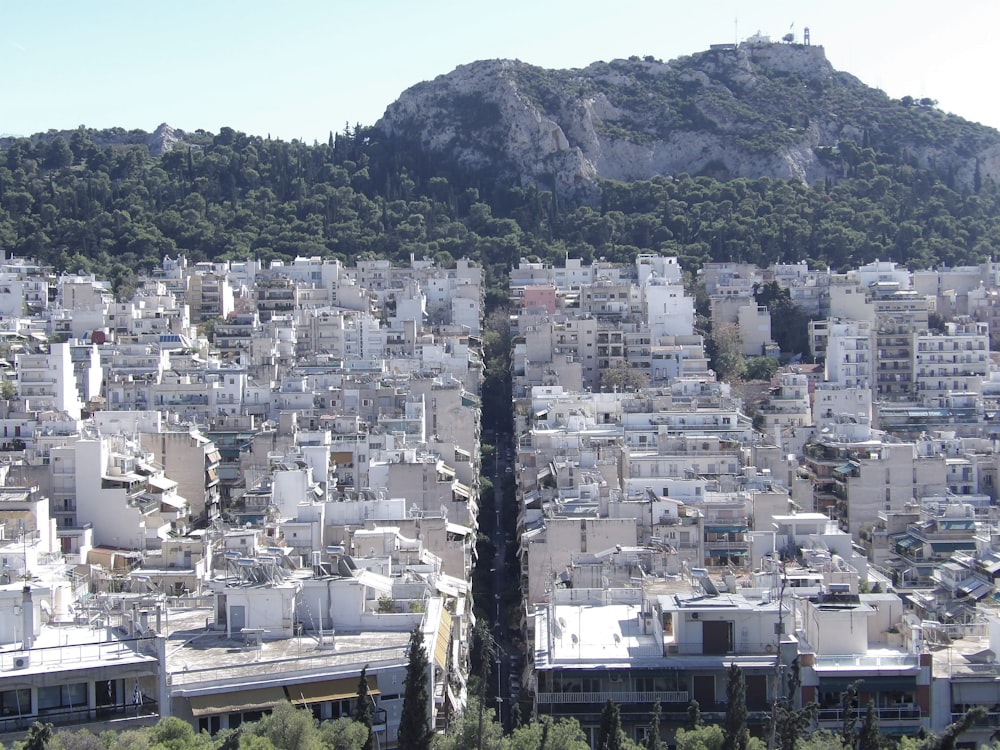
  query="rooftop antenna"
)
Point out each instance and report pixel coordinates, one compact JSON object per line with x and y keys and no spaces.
{"x":805,"y":36}
{"x":736,"y":30}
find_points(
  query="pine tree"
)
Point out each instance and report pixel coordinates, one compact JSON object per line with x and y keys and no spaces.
{"x":653,"y":741}
{"x":947,"y":739}
{"x":735,"y":734}
{"x":609,"y":736}
{"x":39,"y":736}
{"x":363,"y":708}
{"x":414,"y":729}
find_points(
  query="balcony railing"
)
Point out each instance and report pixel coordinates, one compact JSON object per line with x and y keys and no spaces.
{"x":81,"y":716}
{"x":618,"y":696}
{"x":892,"y":713}
{"x":992,"y":719}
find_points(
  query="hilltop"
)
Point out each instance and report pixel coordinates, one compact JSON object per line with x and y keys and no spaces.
{"x":760,"y":153}
{"x":760,"y":110}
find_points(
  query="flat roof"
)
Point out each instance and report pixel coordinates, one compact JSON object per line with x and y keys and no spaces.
{"x":202,"y":661}
{"x":593,"y":634}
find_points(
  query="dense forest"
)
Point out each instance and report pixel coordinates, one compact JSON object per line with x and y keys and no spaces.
{"x":117,"y":210}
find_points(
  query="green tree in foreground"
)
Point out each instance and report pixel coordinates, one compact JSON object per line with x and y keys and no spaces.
{"x":871,"y":736}
{"x":363,"y":708}
{"x":288,"y":728}
{"x":609,"y":736}
{"x":39,"y":736}
{"x":848,"y":708}
{"x":473,"y":729}
{"x":701,"y":738}
{"x":734,"y":729}
{"x":653,"y":741}
{"x":949,"y":736}
{"x":414,"y":729}
{"x":546,"y":734}
{"x":343,"y":734}
{"x":694,"y":715}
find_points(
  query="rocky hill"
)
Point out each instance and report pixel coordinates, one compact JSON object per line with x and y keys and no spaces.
{"x":159,"y":141}
{"x":777,"y":110}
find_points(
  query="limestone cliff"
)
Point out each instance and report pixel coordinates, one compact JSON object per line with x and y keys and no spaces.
{"x":776,"y":110}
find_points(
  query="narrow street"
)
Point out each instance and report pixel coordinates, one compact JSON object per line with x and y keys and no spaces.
{"x":506,"y":688}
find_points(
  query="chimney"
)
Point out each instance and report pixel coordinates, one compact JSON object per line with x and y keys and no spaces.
{"x":27,"y":618}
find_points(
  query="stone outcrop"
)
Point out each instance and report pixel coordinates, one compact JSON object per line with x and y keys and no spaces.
{"x":772,"y":110}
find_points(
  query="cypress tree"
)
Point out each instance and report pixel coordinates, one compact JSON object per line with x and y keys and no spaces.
{"x":414,"y":729}
{"x":848,"y":704}
{"x":735,"y":734}
{"x":610,"y":732}
{"x":871,"y":738}
{"x":363,"y":708}
{"x":694,"y":715}
{"x":653,"y":741}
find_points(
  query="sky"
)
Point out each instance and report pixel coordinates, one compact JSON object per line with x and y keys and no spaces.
{"x":301,"y":69}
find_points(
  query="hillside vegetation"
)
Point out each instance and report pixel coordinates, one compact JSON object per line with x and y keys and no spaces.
{"x":86,"y":201}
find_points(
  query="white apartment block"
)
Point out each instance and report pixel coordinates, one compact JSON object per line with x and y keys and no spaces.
{"x":955,"y":361}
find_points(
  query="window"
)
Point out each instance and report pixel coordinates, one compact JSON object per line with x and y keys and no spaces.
{"x":15,"y":702}
{"x":62,"y":696}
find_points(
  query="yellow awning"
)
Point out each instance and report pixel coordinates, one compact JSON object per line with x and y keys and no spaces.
{"x":240,"y":700}
{"x":330,"y":690}
{"x":443,"y":639}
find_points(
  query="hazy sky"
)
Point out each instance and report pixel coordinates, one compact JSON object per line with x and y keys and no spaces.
{"x":301,"y":69}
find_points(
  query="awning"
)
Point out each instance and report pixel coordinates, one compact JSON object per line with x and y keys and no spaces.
{"x":545,"y":472}
{"x":455,"y":528}
{"x":462,"y":490}
{"x":447,"y":588}
{"x":458,"y":584}
{"x":446,"y":470}
{"x":845,"y":469}
{"x":162,"y":483}
{"x":442,"y":639}
{"x":975,"y":589}
{"x":213,"y":457}
{"x":541,"y":413}
{"x":990,"y":566}
{"x":960,"y":524}
{"x":464,"y":454}
{"x":173,"y":500}
{"x":967,"y":544}
{"x":907,"y":542}
{"x":240,"y":700}
{"x":330,"y":690}
{"x":375,"y":581}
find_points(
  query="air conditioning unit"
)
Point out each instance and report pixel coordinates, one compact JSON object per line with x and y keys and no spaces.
{"x":22,"y":662}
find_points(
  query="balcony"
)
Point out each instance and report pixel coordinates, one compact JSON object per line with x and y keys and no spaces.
{"x":992,"y":719}
{"x":886,"y":714}
{"x":619,"y":697}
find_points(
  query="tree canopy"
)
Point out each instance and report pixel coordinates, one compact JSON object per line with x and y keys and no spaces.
{"x":117,"y":210}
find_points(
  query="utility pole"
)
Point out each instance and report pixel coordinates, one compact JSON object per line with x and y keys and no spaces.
{"x":779,"y":683}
